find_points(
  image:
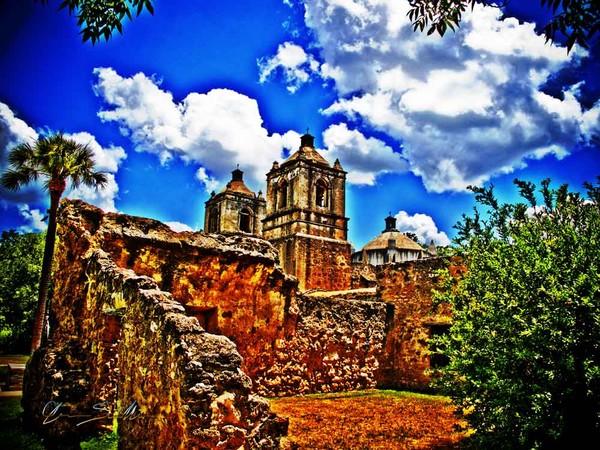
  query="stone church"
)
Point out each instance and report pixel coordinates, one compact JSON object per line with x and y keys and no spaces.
{"x":303,"y":216}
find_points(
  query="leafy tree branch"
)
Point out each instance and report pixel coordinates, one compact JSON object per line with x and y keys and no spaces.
{"x":524,"y":359}
{"x":577,"y":20}
{"x":98,"y":19}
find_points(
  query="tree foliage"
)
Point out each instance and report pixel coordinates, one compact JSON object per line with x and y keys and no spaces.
{"x":20,"y":267}
{"x":98,"y":19}
{"x":577,"y":20}
{"x":57,"y":160}
{"x":412,"y":236}
{"x":524,"y":346}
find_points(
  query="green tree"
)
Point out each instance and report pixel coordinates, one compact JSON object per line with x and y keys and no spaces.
{"x":98,"y":19}
{"x":412,"y":236}
{"x":57,"y":160}
{"x":524,"y":346}
{"x":577,"y":20}
{"x":20,"y":268}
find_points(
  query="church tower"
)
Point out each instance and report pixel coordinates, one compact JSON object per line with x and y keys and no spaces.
{"x":305,"y":218}
{"x":236,"y":209}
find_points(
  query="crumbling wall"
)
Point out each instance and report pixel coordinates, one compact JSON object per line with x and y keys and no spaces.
{"x":170,"y":383}
{"x":408,"y":286}
{"x":233,"y":286}
{"x":331,"y":345}
{"x":137,"y":309}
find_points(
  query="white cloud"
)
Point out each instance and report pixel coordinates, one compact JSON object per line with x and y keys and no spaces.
{"x":209,"y":182}
{"x":14,"y":131}
{"x":103,"y":198}
{"x":363,"y":158}
{"x":466,"y":106}
{"x":106,"y":159}
{"x":34,"y":219}
{"x":296,"y":66}
{"x":423,"y":226}
{"x":178,"y":226}
{"x":221,"y":128}
{"x":216,"y":130}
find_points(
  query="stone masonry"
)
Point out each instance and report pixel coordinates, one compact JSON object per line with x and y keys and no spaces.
{"x":177,"y":333}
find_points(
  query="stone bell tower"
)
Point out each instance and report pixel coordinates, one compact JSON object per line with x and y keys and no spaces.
{"x":305,"y":218}
{"x":236,"y":209}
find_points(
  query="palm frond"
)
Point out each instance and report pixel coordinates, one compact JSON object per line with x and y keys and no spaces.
{"x":20,"y":156}
{"x":58,"y":159}
{"x":13,"y":180}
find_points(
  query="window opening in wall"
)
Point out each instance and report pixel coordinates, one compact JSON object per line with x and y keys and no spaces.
{"x":207,"y":317}
{"x":436,"y":360}
{"x":213,"y":220}
{"x":321,"y":194}
{"x":245,"y":221}
{"x":283,"y":194}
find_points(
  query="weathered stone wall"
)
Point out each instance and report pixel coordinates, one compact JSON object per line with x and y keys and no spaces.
{"x":127,"y":347}
{"x":408,"y":286}
{"x":134,"y":304}
{"x":234,"y":287}
{"x":330,"y":345}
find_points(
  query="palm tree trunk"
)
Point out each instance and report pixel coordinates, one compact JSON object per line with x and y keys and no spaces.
{"x":41,"y":313}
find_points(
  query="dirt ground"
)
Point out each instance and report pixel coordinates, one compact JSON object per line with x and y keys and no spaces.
{"x":370,"y":420}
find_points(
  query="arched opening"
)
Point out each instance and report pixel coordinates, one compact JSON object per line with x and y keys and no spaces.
{"x":282,"y":194}
{"x":213,"y":220}
{"x":321,"y":197}
{"x":246,"y":220}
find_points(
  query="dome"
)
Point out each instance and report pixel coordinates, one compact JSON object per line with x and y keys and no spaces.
{"x":307,"y":151}
{"x":400,"y":242}
{"x":237,"y":184}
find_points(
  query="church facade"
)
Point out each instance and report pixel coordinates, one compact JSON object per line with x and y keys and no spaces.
{"x":303,"y":216}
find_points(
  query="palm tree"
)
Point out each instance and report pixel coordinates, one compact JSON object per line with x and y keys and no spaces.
{"x":56,"y":160}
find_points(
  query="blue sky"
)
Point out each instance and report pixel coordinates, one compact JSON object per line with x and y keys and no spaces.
{"x":172,"y":106}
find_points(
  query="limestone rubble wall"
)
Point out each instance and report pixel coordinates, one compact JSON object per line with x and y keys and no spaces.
{"x":408,"y":286}
{"x":186,"y":327}
{"x":330,"y":345}
{"x":179,"y":386}
{"x":132,"y":352}
{"x":234,"y":286}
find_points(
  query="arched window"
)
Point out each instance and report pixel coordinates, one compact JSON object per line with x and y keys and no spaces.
{"x":321,"y":198}
{"x":246,"y":220}
{"x":282,"y":194}
{"x":213,"y":220}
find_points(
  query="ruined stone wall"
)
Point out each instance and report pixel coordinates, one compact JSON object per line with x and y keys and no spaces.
{"x":233,"y":286}
{"x":136,"y":309}
{"x":122,"y":346}
{"x":408,"y":286}
{"x":330,"y":345}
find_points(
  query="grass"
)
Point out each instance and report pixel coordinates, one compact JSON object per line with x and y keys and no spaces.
{"x":11,"y":434}
{"x":370,"y":420}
